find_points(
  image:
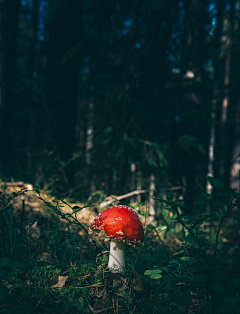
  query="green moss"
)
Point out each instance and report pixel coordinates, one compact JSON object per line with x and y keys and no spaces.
{"x":163,"y":276}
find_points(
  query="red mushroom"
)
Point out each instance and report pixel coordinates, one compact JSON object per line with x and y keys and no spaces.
{"x":120,"y":224}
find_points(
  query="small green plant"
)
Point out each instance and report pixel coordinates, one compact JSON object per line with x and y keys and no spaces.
{"x":185,"y":266}
{"x":198,"y":268}
{"x":71,"y":217}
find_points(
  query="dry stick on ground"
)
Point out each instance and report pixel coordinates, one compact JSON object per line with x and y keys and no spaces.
{"x":20,"y":183}
{"x":36,"y":306}
{"x":118,"y":198}
{"x":114,"y":198}
{"x":104,"y":203}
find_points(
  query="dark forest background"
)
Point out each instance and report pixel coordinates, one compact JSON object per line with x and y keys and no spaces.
{"x":117,"y":96}
{"x":103,"y":101}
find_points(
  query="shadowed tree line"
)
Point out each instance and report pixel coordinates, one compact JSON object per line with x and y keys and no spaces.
{"x":113,"y":95}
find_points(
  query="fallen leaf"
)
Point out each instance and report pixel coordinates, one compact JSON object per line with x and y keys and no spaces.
{"x":45,"y":257}
{"x":61,"y":282}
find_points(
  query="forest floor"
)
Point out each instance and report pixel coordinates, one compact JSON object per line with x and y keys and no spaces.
{"x":188,"y":264}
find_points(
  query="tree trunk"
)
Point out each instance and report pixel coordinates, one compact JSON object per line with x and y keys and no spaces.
{"x":193,"y":91}
{"x":62,"y":78}
{"x":211,"y":147}
{"x":152,"y":188}
{"x":224,"y":159}
{"x":212,"y":134}
{"x":9,"y":12}
{"x":89,"y":180}
{"x":30,"y":123}
{"x":89,"y":133}
{"x":235,"y":166}
{"x":133,"y":179}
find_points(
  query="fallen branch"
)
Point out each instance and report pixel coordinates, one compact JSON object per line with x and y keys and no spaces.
{"x":110,"y":199}
{"x":20,"y":183}
{"x":118,"y":198}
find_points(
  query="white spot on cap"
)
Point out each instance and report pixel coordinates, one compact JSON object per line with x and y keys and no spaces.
{"x":118,"y":218}
{"x":120,"y":232}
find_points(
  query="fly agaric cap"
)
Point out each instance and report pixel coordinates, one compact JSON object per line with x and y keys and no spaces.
{"x":118,"y":222}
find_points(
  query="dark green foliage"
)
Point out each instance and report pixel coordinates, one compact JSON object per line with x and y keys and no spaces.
{"x":96,"y":98}
{"x":116,"y":70}
{"x":196,"y":274}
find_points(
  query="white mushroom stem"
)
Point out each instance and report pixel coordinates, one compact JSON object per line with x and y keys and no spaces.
{"x":116,"y":262}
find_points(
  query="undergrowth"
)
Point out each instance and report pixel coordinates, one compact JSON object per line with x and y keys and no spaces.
{"x":188,"y":264}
